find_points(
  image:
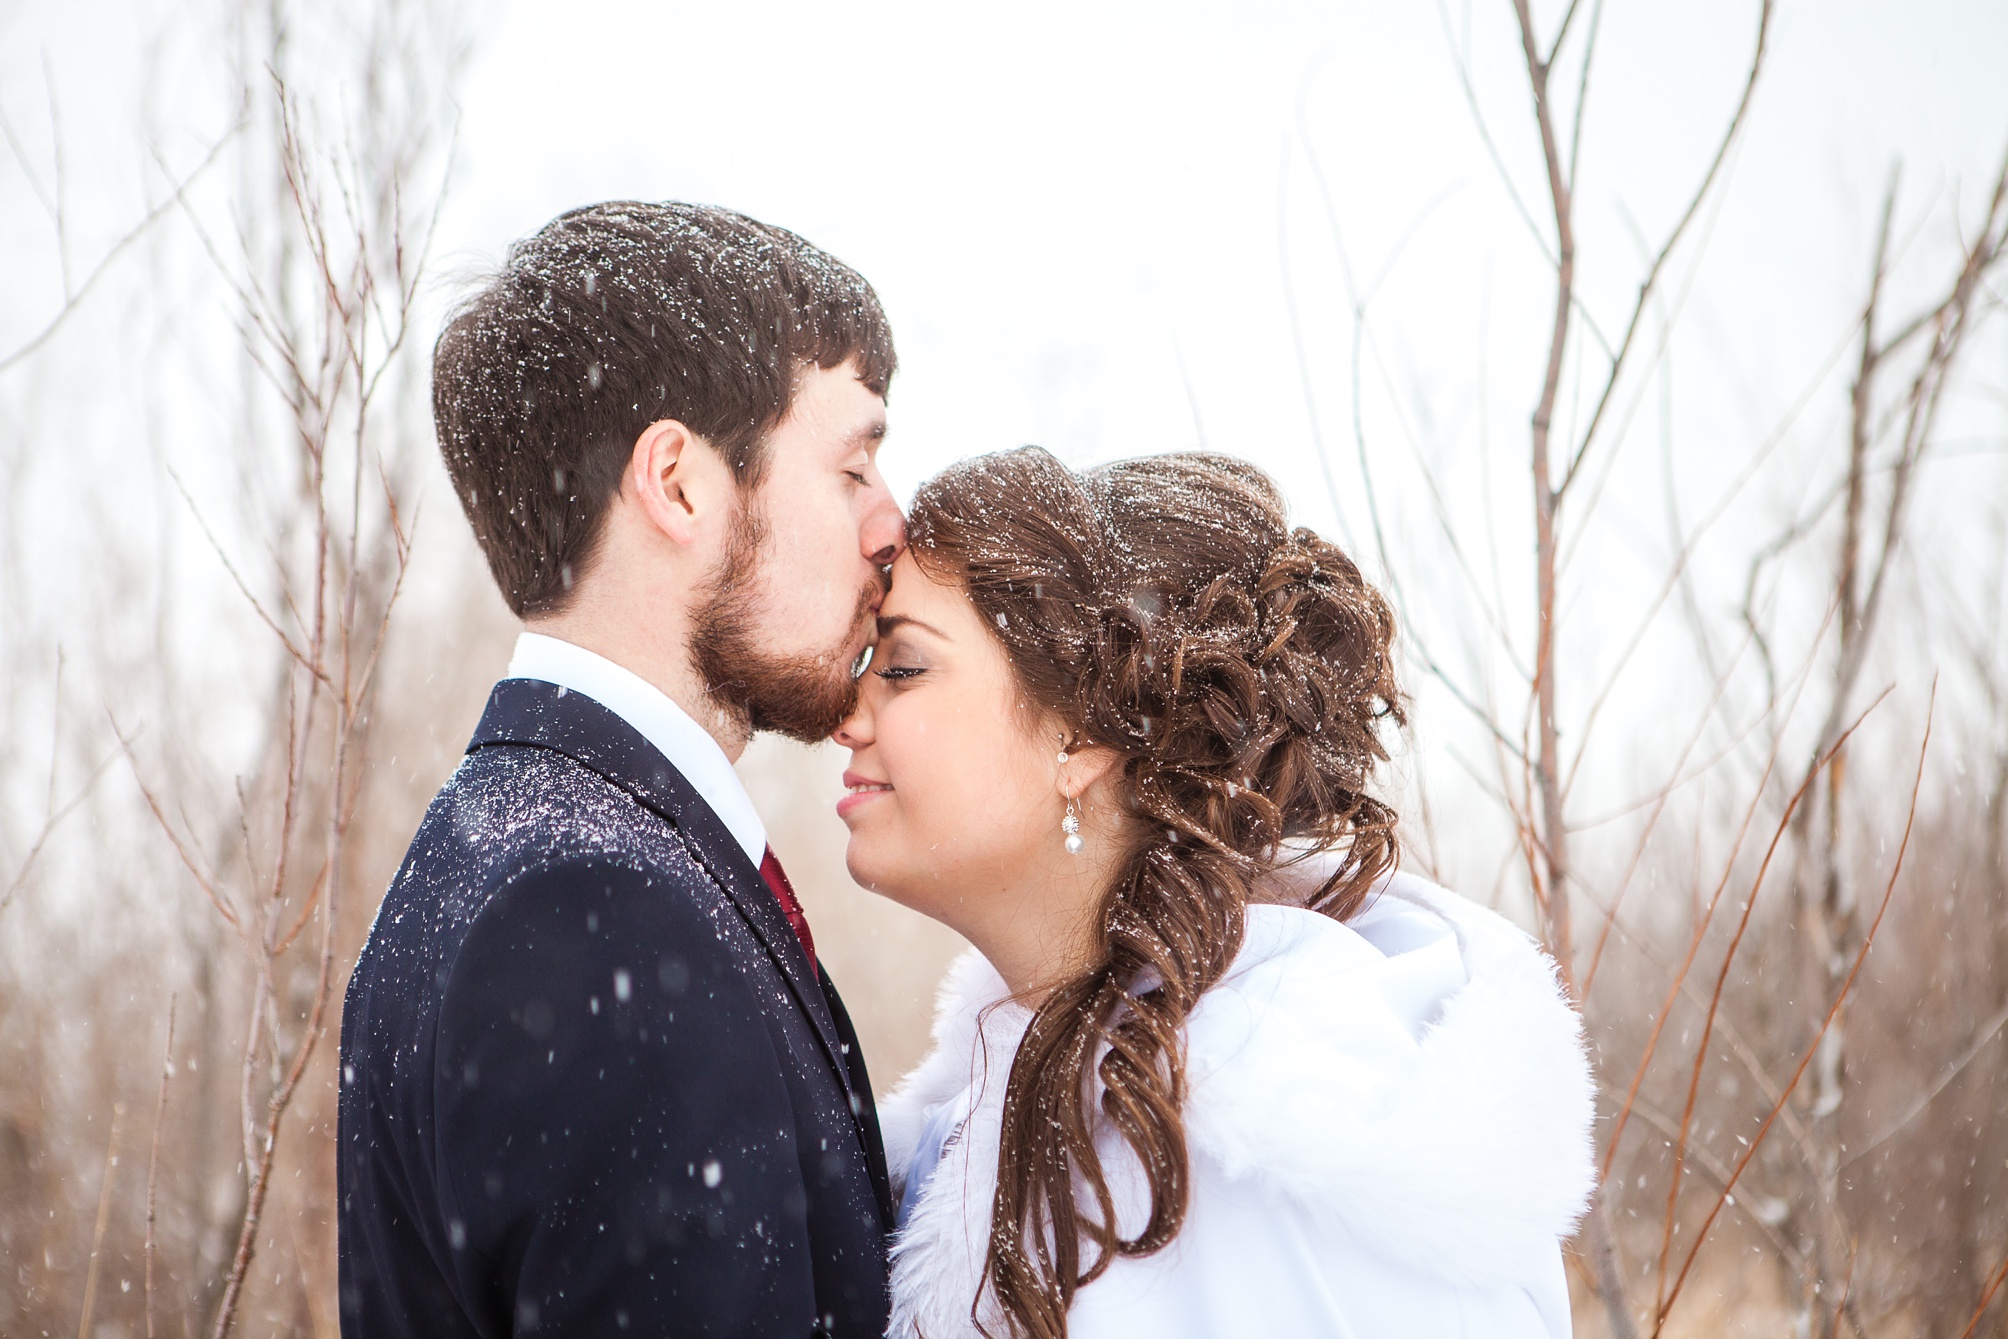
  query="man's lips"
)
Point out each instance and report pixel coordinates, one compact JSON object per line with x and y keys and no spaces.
{"x":860,"y":790}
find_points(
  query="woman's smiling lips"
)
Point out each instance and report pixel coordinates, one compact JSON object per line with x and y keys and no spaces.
{"x":860,"y":790}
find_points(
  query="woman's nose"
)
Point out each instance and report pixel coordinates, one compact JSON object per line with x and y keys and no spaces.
{"x":855,"y":732}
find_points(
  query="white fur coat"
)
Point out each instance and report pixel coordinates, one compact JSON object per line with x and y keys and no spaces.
{"x":1389,"y":1129}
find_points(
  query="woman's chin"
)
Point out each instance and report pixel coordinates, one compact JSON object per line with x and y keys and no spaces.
{"x":865,"y":872}
{"x":877,"y":875}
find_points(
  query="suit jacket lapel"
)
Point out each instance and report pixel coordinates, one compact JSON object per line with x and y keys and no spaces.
{"x":543,"y":715}
{"x":854,"y":1059}
{"x":722,"y":855}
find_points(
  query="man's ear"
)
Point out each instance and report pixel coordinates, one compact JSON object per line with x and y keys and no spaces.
{"x":679,"y":480}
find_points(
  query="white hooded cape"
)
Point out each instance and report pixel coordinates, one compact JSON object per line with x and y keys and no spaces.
{"x":1388,"y":1123}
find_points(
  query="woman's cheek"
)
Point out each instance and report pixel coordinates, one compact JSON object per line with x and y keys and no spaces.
{"x":911,"y":810}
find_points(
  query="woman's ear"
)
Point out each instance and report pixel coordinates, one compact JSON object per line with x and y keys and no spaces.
{"x":1082,"y":766}
{"x":679,"y":481}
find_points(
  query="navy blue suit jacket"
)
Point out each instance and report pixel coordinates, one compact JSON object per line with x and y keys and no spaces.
{"x":591,"y":1084}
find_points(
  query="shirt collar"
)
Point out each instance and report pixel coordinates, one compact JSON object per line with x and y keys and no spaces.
{"x":689,"y":748}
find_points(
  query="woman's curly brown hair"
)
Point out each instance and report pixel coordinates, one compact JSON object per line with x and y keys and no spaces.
{"x":1243,"y":671}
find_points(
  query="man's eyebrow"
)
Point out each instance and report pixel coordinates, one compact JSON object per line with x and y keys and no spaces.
{"x":891,"y":623}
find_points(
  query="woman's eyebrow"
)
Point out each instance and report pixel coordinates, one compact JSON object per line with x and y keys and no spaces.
{"x":891,"y":623}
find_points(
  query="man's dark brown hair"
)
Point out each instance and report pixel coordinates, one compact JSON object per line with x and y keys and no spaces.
{"x":611,"y":318}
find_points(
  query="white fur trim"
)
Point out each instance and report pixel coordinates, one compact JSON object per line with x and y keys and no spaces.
{"x":1463,"y":1153}
{"x":938,"y":1259}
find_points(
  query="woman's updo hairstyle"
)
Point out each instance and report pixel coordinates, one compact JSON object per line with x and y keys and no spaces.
{"x":1243,"y":671}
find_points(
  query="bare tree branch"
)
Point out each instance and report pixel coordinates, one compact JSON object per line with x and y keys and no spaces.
{"x":1651,"y":280}
{"x":73,"y":300}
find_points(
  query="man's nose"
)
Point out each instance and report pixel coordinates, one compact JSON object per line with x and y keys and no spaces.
{"x":884,"y":534}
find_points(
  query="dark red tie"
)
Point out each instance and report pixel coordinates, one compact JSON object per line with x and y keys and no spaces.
{"x":791,"y":907}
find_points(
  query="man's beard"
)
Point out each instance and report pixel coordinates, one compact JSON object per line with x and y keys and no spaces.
{"x":803,"y":697}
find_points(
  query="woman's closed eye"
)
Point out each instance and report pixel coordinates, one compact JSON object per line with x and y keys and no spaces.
{"x":904,"y":651}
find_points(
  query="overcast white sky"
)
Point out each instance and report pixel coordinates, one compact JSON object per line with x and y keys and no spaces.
{"x":1061,"y":202}
{"x":1081,"y":216}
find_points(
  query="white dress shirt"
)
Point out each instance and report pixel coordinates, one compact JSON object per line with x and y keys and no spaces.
{"x":689,"y":748}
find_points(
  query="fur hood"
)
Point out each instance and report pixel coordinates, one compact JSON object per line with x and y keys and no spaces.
{"x":1413,"y":1080}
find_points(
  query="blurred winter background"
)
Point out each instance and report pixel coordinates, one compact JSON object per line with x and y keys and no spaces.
{"x":1690,"y":560}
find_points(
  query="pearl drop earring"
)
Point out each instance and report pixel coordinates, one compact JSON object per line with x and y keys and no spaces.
{"x":1070,"y":822}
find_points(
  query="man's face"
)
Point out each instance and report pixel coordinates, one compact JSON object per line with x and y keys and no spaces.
{"x":793,"y":602}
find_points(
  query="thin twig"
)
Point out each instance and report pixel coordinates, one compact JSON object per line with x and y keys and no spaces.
{"x":153,"y":1159}
{"x":1739,"y":1046}
{"x":1651,"y":279}
{"x":299,"y":655}
{"x":1652,"y":820}
{"x":118,"y":248}
{"x":1847,"y":1281}
{"x":1722,"y":980}
{"x":1840,"y":997}
{"x":48,"y":829}
{"x":283,"y":1096}
{"x":203,"y":879}
{"x":104,"y":1215}
{"x":1718,"y":1172}
{"x":56,"y":162}
{"x":1986,"y":1299}
{"x":1694,"y":945}
{"x":1925,"y":1099}
{"x":35,"y":186}
{"x":1304,"y":378}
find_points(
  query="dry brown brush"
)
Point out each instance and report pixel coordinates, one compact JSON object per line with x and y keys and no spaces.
{"x":1786,"y":939}
{"x":179,"y":926}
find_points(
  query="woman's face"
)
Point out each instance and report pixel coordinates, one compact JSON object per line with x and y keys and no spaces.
{"x":953,"y":799}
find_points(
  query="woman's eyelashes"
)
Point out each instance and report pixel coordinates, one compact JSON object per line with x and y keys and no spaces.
{"x":899,"y":673}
